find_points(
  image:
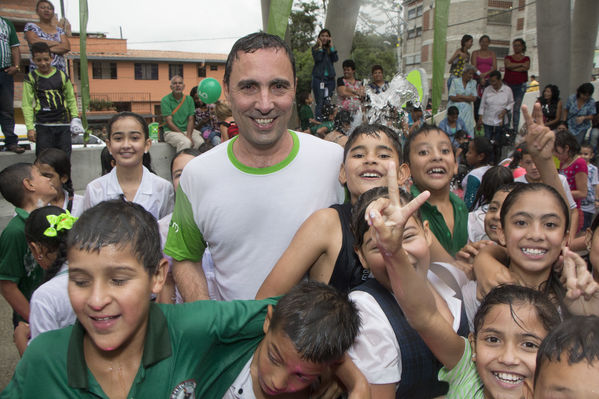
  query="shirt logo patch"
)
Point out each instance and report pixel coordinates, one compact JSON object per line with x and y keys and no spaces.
{"x":175,"y":227}
{"x":185,"y":390}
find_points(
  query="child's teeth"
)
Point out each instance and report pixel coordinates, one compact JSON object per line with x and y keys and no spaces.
{"x":533,"y":251}
{"x":508,"y":377}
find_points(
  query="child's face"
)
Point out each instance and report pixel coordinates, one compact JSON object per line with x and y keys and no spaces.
{"x":505,"y":350}
{"x":277,"y":365}
{"x":532,"y":173}
{"x":127,"y":143}
{"x":492,"y":222}
{"x":309,"y":100}
{"x":49,"y":172}
{"x":110,"y":294}
{"x":586,"y":153}
{"x":43,"y":61}
{"x":534,"y":236}
{"x":42,"y":186}
{"x":472,"y":155}
{"x":178,"y":165}
{"x":432,"y":162}
{"x":365,"y":166}
{"x":558,"y":379}
{"x":417,"y":240}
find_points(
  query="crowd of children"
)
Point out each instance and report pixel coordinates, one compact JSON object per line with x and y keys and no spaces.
{"x":415,"y":291}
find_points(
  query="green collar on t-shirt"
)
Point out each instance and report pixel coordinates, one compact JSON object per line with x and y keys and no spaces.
{"x":268,"y":169}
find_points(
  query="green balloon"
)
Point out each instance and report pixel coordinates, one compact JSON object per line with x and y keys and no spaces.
{"x":209,"y":90}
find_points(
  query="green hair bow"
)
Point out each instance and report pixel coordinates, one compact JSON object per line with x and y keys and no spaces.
{"x":64,"y":221}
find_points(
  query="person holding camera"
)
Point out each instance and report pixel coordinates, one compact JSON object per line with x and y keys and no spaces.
{"x":323,"y":73}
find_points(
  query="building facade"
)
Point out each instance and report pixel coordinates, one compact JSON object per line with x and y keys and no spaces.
{"x":502,"y":20}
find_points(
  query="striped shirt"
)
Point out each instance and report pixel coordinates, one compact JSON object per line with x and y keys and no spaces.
{"x":463,"y":379}
{"x":8,"y":39}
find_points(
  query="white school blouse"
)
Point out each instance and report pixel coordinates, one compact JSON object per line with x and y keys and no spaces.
{"x":154,"y":193}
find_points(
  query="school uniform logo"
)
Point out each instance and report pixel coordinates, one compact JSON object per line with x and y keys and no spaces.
{"x":185,"y":390}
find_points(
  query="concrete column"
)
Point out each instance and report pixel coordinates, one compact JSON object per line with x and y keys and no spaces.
{"x":265,"y":4}
{"x":553,"y":37}
{"x":585,"y":22}
{"x":342,"y":16}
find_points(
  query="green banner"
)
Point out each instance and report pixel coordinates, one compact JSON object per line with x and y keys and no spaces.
{"x":83,"y":16}
{"x":439,"y":50}
{"x":278,"y":17}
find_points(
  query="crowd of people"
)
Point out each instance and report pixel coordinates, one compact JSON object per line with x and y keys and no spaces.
{"x":416,"y":287}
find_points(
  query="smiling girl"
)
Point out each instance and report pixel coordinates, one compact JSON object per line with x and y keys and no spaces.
{"x":128,"y":140}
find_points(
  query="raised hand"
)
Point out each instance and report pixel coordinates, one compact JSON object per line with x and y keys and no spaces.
{"x":540,"y":140}
{"x":388,"y":218}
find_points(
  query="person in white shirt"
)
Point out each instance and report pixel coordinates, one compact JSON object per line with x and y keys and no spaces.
{"x":496,"y":102}
{"x":128,"y":140}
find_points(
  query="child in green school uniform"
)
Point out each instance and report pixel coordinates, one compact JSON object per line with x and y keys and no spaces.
{"x":23,"y":185}
{"x":124,"y":346}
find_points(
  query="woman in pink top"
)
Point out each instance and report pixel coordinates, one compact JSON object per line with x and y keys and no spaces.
{"x":516,"y":76}
{"x":484,"y":60}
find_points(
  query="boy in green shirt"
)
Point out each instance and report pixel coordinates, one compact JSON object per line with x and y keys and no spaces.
{"x":23,"y":186}
{"x":49,"y":104}
{"x":122,"y":345}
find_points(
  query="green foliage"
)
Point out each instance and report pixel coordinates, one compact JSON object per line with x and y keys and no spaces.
{"x":303,"y":66}
{"x":372,"y":48}
{"x":302,"y":26}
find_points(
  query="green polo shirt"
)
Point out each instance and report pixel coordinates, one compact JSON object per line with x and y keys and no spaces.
{"x":451,"y":242}
{"x":16,"y":262}
{"x":196,"y":347}
{"x":180,"y":118}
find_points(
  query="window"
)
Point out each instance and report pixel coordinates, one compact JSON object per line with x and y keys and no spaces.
{"x":201,"y":71}
{"x":419,"y":11}
{"x":416,"y":32}
{"x":103,"y":70}
{"x":497,"y":16}
{"x":419,"y":31}
{"x":175,"y":70}
{"x":413,"y":59}
{"x":412,"y":13}
{"x":214,"y":67}
{"x":500,"y":52}
{"x":76,"y":69}
{"x":146,"y":71}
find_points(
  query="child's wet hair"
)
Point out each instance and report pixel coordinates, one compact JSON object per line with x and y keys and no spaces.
{"x":576,"y":338}
{"x":35,"y":226}
{"x":39,"y":48}
{"x":188,"y":151}
{"x":359,"y":224}
{"x":127,"y":114}
{"x":514,"y":295}
{"x":59,"y":161}
{"x":321,"y":321}
{"x":494,"y":177}
{"x":373,"y":130}
{"x":106,"y":160}
{"x":123,"y":224}
{"x":518,"y":191}
{"x":563,"y":139}
{"x":11,"y":182}
{"x":482,"y":145}
{"x":424,"y":129}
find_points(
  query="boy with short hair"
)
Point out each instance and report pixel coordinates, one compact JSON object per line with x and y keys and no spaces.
{"x":589,"y":204}
{"x":568,"y":360}
{"x":49,"y":104}
{"x":122,"y":345}
{"x":22,"y":185}
{"x":322,"y":248}
{"x":429,"y":153}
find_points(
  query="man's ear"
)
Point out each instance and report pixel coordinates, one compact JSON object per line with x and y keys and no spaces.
{"x":342,"y":176}
{"x":266,"y":325}
{"x":226,"y":91}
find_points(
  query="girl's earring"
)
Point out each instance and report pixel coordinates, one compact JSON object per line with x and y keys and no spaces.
{"x":474,"y":357}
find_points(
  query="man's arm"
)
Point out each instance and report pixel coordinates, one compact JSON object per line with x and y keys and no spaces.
{"x":190,"y":125}
{"x":15,"y":298}
{"x":171,"y":124}
{"x":16,"y":60}
{"x":191,"y":280}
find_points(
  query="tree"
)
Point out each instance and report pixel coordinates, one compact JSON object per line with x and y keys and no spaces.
{"x":372,"y":48}
{"x":302,"y":36}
